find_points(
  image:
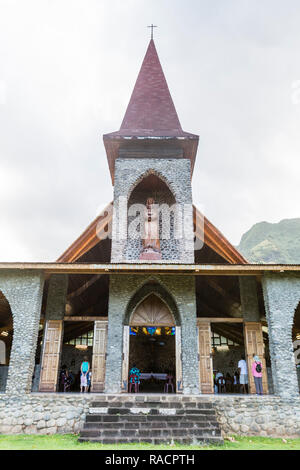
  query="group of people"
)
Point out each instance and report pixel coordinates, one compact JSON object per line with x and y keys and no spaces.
{"x":239,"y":382}
{"x":67,"y":378}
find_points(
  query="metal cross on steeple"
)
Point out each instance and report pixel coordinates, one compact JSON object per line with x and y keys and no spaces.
{"x":152,"y":26}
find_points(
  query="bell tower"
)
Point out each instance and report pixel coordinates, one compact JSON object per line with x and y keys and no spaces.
{"x":151,"y":159}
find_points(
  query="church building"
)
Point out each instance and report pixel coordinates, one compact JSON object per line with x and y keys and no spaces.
{"x":151,"y":285}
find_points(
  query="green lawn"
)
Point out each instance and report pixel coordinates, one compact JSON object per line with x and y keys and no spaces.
{"x":69,"y":442}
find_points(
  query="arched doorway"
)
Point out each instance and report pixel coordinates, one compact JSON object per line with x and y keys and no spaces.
{"x":154,"y":187}
{"x":152,"y":342}
{"x":6,"y":337}
{"x":296,"y":341}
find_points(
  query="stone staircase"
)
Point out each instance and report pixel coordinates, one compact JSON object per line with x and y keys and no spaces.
{"x":152,"y":419}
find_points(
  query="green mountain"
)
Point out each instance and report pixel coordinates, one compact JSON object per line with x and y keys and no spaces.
{"x":272,"y":243}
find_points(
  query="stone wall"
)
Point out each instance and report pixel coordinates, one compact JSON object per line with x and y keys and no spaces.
{"x":43,"y":413}
{"x":65,"y":413}
{"x":259,"y":416}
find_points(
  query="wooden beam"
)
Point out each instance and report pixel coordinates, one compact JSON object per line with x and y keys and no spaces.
{"x":158,"y":268}
{"x":206,"y":309}
{"x":219,"y":320}
{"x":84,"y":286}
{"x":223,"y":292}
{"x":89,"y":319}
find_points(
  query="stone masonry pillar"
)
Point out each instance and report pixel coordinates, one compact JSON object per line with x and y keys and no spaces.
{"x":249,"y":299}
{"x":282,"y":295}
{"x":184,"y":292}
{"x":23,"y":291}
{"x":114,"y":346}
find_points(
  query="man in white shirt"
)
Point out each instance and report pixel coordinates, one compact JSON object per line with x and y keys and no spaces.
{"x":243,"y":371}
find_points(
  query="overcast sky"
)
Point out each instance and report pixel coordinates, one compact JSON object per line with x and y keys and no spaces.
{"x":67,"y":69}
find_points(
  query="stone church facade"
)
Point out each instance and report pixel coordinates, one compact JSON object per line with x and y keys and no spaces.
{"x":192,"y":284}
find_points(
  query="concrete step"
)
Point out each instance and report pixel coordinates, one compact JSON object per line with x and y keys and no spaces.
{"x":154,"y":432}
{"x":106,"y":418}
{"x":151,"y":404}
{"x":150,"y":425}
{"x":148,"y":410}
{"x":155,"y":440}
{"x":151,"y":419}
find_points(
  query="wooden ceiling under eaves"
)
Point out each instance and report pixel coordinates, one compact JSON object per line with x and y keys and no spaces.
{"x":98,"y":233}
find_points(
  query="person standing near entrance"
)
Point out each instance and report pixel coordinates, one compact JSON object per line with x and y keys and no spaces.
{"x":84,"y":369}
{"x":257,"y":374}
{"x":243,"y":371}
{"x":134,"y":378}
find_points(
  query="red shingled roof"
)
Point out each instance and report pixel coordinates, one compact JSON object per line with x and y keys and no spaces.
{"x":151,"y":108}
{"x":150,"y":114}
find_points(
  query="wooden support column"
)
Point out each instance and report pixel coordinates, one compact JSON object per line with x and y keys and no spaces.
{"x":205,"y":358}
{"x":178,"y":357}
{"x":51,"y":355}
{"x":125,"y":359}
{"x":53,"y":334}
{"x":99,"y":356}
{"x":254,"y":344}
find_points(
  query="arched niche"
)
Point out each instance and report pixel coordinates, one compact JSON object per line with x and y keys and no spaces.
{"x":151,"y":185}
{"x":152,"y":311}
{"x":153,"y":289}
{"x":154,"y":187}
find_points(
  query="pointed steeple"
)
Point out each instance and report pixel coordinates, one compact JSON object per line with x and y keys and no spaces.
{"x":151,"y":108}
{"x":150,"y":116}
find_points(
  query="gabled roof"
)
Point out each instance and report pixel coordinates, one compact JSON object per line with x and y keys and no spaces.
{"x":100,"y":229}
{"x":150,"y":114}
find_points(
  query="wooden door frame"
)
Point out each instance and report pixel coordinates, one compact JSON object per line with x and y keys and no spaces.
{"x":204,"y":386}
{"x":249,"y":358}
{"x":126,"y":350}
{"x":43,"y":387}
{"x":210,"y":320}
{"x":125,"y":359}
{"x":98,"y":386}
{"x":69,"y":319}
{"x":178,"y":360}
{"x":249,"y":362}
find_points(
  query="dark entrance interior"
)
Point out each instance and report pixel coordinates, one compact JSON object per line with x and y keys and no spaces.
{"x":77,"y":344}
{"x":152,"y":351}
{"x":228,"y":347}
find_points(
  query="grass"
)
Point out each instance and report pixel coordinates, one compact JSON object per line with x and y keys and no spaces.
{"x":70,"y":442}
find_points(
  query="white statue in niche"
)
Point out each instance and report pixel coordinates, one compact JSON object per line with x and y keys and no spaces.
{"x":151,"y":243}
